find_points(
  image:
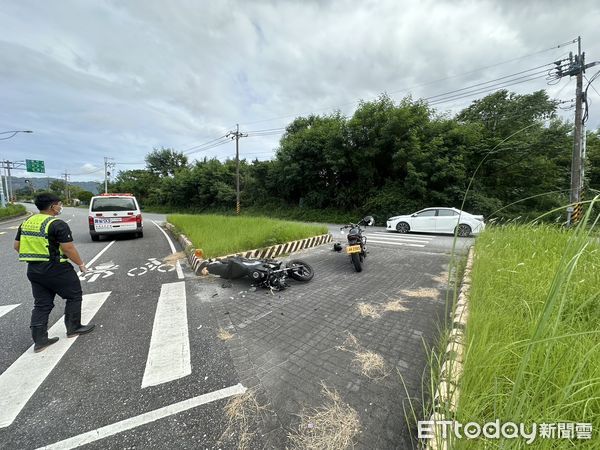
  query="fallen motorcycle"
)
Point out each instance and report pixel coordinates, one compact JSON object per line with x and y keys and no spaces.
{"x":268,"y":273}
{"x":357,"y":243}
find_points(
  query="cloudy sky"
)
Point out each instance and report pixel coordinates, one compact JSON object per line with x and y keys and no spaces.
{"x":97,"y":79}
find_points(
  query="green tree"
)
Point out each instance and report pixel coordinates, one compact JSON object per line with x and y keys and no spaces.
{"x":57,"y":187}
{"x":140,"y":182}
{"x":165,"y":162}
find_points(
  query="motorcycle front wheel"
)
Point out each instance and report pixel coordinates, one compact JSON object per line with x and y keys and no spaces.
{"x":300,"y":271}
{"x":357,"y":262}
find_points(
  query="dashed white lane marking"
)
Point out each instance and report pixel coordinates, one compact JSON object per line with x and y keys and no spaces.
{"x":2,"y":232}
{"x":172,"y":246}
{"x":390,"y":242}
{"x":93,"y":260}
{"x":142,"y":419}
{"x":20,"y":381}
{"x":4,"y":309}
{"x":169,"y":353}
{"x":13,"y":227}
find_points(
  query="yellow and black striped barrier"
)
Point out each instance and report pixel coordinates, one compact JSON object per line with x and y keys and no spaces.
{"x":577,"y":213}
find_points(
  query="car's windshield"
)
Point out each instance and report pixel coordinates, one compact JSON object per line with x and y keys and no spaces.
{"x":113,"y":204}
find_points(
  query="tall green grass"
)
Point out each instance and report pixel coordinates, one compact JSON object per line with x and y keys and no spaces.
{"x":219,"y":235}
{"x":533,"y":333}
{"x":12,"y":210}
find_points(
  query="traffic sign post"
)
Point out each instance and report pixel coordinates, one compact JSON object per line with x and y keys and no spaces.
{"x":34,"y":165}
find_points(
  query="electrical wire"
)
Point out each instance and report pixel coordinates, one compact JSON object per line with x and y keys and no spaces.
{"x":329,"y":108}
{"x":495,"y":80}
{"x":470,"y":94}
{"x":86,"y":173}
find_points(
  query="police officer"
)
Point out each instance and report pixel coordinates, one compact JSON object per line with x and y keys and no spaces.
{"x":46,"y":244}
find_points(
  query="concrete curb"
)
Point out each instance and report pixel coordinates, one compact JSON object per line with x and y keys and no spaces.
{"x":447,"y":394}
{"x":265,"y":252}
{"x":17,"y":217}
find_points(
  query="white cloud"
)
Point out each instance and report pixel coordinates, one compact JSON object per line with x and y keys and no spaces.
{"x":119,"y":78}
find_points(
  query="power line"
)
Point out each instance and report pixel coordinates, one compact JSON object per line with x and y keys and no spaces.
{"x":470,"y":94}
{"x":421,"y":85}
{"x":512,"y":76}
{"x":592,"y":80}
{"x":191,"y":149}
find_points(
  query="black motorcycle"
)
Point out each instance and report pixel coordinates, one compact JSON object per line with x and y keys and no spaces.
{"x":357,"y":243}
{"x":268,"y":273}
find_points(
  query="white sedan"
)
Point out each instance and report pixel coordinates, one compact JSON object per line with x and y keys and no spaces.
{"x":438,"y":220}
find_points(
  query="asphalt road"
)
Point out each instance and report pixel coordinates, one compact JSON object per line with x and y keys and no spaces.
{"x":154,"y":347}
{"x":98,"y":380}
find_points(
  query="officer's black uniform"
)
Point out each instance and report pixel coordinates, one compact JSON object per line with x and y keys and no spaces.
{"x":54,"y":277}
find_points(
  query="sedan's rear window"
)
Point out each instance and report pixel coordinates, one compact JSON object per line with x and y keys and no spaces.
{"x":113,"y":204}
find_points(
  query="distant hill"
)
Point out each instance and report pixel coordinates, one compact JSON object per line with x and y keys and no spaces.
{"x":43,"y":183}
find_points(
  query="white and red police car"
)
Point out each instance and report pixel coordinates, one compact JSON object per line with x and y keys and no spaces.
{"x":115,"y":214}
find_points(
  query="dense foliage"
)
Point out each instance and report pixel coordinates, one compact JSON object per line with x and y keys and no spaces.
{"x":387,"y":158}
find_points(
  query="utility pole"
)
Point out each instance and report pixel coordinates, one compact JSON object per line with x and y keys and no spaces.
{"x":2,"y":198}
{"x":9,"y":182}
{"x":67,"y":187}
{"x":7,"y":188}
{"x":106,"y":172}
{"x":577,"y":161}
{"x":576,"y":67}
{"x":237,"y":135}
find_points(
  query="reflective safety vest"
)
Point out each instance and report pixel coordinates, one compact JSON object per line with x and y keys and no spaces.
{"x":34,"y":245}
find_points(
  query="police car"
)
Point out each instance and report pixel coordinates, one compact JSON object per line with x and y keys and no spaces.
{"x":115,"y":214}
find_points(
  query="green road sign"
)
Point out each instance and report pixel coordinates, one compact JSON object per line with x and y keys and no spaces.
{"x":34,"y":165}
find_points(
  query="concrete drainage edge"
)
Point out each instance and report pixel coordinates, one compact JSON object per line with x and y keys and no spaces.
{"x":447,"y":394}
{"x":265,"y":252}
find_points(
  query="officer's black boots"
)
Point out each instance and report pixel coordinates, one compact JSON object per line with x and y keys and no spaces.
{"x":40,"y":338}
{"x":74,"y":326}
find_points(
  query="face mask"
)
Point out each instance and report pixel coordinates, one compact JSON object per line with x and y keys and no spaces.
{"x":59,"y":212}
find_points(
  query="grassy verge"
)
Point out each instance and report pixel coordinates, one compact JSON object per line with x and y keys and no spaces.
{"x":284,"y":213}
{"x":533,"y":353}
{"x":219,"y":235}
{"x":12,"y":210}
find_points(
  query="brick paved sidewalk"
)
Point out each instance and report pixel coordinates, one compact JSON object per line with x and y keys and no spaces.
{"x":286,"y":345}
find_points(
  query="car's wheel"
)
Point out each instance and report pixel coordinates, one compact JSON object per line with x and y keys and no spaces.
{"x":95,"y":237}
{"x":402,"y":227}
{"x":300,"y":270}
{"x":139,"y":234}
{"x":356,"y":261}
{"x":464,"y":230}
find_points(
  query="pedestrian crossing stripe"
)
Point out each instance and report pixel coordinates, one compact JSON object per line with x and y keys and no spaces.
{"x":5,"y":309}
{"x":2,"y":232}
{"x":20,"y":381}
{"x":169,"y":353}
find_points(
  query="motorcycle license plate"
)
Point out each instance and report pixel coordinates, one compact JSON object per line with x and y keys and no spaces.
{"x":353,"y":249}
